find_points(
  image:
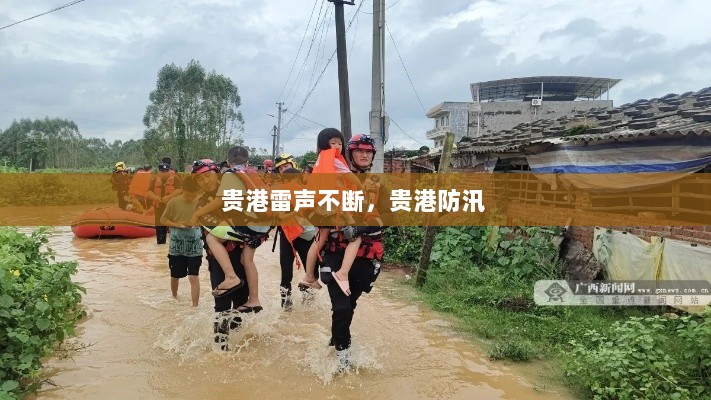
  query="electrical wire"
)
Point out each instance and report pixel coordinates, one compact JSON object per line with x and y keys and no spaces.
{"x":321,"y":47}
{"x":306,"y":119}
{"x":405,"y":133}
{"x":386,"y":8}
{"x":298,"y":52}
{"x":317,"y":28}
{"x":404,"y":67}
{"x":44,"y":13}
{"x":308,"y":95}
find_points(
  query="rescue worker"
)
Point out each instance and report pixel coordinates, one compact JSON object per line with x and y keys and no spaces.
{"x":284,"y":162}
{"x":138,"y":189}
{"x":227,"y":317}
{"x":120,"y":180}
{"x":292,"y":246}
{"x":366,"y":267}
{"x":163,"y":187}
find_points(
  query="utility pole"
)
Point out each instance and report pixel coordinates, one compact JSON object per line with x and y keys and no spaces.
{"x":378,"y":121}
{"x":342,"y":55}
{"x":278,"y":131}
{"x":430,"y":229}
{"x":274,"y":135}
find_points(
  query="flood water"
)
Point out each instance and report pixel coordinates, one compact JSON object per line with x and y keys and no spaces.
{"x":143,"y":344}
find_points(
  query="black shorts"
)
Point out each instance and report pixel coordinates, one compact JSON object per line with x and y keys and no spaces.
{"x":182,"y":266}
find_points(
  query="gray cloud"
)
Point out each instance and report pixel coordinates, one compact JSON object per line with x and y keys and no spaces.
{"x":582,"y":28}
{"x":96,"y":62}
{"x":628,"y":40}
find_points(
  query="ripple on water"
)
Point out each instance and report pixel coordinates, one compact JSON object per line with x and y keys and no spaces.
{"x":149,"y":345}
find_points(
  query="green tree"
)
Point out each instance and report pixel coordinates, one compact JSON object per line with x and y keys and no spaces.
{"x":206,"y":104}
{"x":306,"y":159}
{"x":180,"y":138}
{"x":42,"y":143}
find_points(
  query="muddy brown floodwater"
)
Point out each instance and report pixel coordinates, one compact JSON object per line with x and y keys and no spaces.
{"x":143,"y":344}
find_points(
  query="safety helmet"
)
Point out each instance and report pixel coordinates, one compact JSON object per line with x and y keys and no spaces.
{"x":283,"y":159}
{"x":205,"y":165}
{"x":120,"y":166}
{"x":268,"y":163}
{"x":361,"y":141}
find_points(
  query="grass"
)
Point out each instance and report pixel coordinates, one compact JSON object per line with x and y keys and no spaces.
{"x":505,"y":315}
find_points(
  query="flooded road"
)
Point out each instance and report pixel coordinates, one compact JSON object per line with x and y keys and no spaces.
{"x":146,"y":345}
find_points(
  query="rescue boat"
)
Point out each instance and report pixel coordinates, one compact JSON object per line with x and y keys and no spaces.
{"x":113,"y":222}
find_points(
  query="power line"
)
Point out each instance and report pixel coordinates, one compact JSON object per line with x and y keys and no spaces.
{"x":355,"y":33}
{"x":306,"y":119}
{"x":406,"y":72}
{"x":303,"y":103}
{"x":403,"y":131}
{"x":300,"y":45}
{"x":44,"y":13}
{"x":391,"y":6}
{"x":317,"y":29}
{"x":321,"y":47}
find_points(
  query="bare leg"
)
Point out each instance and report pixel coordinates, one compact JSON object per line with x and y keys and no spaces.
{"x":223,"y":258}
{"x":174,"y":287}
{"x":250,"y":269}
{"x":348,"y":258}
{"x":194,"y":289}
{"x":312,"y":257}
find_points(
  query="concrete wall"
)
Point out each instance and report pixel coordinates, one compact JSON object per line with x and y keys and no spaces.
{"x":458,"y":119}
{"x":499,"y":116}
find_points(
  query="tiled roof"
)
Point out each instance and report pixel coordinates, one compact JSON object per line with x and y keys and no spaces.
{"x":686,"y":114}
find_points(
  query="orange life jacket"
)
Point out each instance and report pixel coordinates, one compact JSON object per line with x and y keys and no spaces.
{"x":326,"y":162}
{"x":291,"y":228}
{"x":325,"y":177}
{"x":163,"y":188}
{"x":140,"y":183}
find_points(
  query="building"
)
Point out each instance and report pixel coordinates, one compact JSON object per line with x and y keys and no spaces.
{"x":671,"y":133}
{"x":449,"y":116}
{"x":503,"y":104}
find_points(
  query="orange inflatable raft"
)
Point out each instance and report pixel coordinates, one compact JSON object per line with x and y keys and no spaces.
{"x":113,"y":222}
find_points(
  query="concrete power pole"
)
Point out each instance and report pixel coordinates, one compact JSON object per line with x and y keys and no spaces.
{"x":342,"y":55}
{"x":274,"y":135}
{"x":378,"y":121}
{"x":278,"y":131}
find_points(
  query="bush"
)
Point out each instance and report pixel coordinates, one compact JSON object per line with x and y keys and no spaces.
{"x":521,"y":254}
{"x":403,"y":244}
{"x":645,"y":358}
{"x":39,"y":307}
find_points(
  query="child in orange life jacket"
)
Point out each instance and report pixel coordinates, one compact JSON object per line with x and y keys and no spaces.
{"x":251,"y":236}
{"x":331,"y":140}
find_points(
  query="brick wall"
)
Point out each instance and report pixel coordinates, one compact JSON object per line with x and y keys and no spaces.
{"x":395,"y":165}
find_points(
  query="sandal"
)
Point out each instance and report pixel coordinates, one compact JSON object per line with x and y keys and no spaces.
{"x":344,"y":285}
{"x":226,"y":291}
{"x":309,"y":285}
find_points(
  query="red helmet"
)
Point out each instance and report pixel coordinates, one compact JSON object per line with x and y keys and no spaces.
{"x":205,"y":165}
{"x":361,"y":141}
{"x":268,"y":163}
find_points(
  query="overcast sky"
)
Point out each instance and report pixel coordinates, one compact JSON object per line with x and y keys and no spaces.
{"x":97,"y":61}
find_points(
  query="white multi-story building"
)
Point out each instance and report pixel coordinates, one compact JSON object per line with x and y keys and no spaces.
{"x":503,"y":104}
